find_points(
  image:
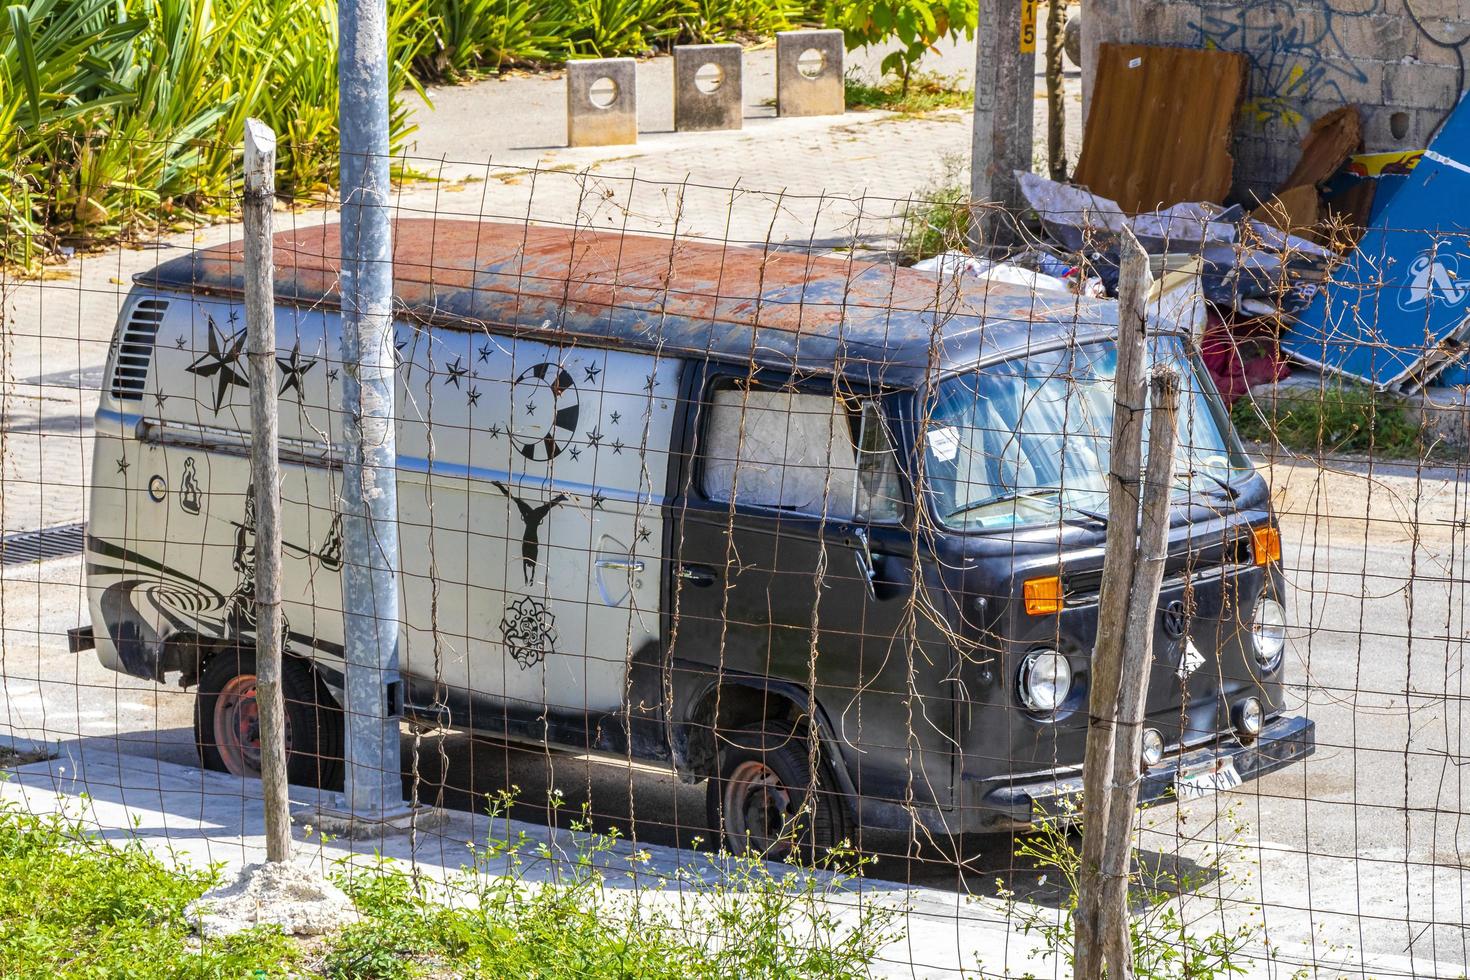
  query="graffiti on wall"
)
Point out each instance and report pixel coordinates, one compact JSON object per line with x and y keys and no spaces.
{"x":1297,"y":53}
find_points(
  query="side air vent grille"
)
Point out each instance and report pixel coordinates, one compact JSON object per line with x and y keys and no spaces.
{"x":135,"y":350}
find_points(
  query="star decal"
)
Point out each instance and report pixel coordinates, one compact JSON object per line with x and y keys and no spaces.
{"x":457,"y":370}
{"x":591,"y":371}
{"x":293,"y":370}
{"x":597,"y":501}
{"x":222,"y":362}
{"x":594,"y":437}
{"x":617,"y":447}
{"x":474,"y":395}
{"x":644,"y":533}
{"x":530,"y":408}
{"x":331,"y":374}
{"x":649,"y":383}
{"x":484,"y":353}
{"x":575,"y":453}
{"x":180,"y":342}
{"x":615,"y":418}
{"x":159,"y":398}
{"x":495,"y":431}
{"x":122,"y":465}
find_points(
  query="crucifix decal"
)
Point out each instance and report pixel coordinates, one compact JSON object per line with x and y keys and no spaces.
{"x":531,"y":517}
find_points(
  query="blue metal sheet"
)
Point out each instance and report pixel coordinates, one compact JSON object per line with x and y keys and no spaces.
{"x":1384,"y":313}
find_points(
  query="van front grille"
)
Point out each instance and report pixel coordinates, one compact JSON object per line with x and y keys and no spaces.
{"x":135,"y":349}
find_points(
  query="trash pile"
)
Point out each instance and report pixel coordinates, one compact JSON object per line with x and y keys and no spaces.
{"x":1354,"y":266}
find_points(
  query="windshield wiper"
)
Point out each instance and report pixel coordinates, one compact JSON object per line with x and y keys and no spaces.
{"x":1005,"y":498}
{"x":1095,"y":515}
{"x":1230,"y":491}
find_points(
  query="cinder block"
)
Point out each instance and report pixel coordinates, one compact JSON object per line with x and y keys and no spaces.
{"x":602,"y":102}
{"x":1361,"y":38}
{"x":1378,"y":126}
{"x":809,"y":73}
{"x":709,"y":88}
{"x":1424,"y":86}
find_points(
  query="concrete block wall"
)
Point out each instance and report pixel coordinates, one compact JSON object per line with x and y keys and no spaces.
{"x":1401,"y":61}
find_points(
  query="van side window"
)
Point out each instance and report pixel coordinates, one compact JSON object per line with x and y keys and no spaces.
{"x":880,"y":494}
{"x":780,"y":449}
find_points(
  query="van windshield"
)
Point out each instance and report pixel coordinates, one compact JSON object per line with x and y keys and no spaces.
{"x":1026,"y":441}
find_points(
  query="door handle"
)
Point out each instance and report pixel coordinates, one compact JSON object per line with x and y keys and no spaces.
{"x":696,"y":575}
{"x":621,"y":564}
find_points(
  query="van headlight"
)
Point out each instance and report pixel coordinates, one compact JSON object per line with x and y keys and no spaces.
{"x":1045,"y":680}
{"x":1268,"y":633}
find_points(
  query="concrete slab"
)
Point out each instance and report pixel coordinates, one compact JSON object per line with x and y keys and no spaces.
{"x":809,"y":73}
{"x":602,"y":102}
{"x":708,"y":87}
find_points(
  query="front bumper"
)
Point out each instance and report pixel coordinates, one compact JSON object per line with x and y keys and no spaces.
{"x":1284,"y":741}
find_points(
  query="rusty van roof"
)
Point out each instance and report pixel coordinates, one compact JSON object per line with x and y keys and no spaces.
{"x":778,"y":308}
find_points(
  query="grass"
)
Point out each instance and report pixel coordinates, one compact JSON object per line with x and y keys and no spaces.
{"x":927,"y":92}
{"x":73,"y":906}
{"x":1335,"y":418}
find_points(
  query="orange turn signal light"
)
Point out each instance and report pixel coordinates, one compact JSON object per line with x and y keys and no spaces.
{"x":1043,"y":595}
{"x":1265,"y":545}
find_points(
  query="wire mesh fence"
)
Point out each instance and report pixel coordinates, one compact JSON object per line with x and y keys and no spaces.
{"x":724,"y":533}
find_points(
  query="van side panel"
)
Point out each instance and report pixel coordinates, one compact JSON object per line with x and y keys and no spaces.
{"x":531,"y":484}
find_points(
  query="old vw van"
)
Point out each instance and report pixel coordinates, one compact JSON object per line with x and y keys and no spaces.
{"x":828,"y":535}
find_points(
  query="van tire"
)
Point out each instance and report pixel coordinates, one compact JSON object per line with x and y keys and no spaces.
{"x":768,"y":767}
{"x":313,"y":720}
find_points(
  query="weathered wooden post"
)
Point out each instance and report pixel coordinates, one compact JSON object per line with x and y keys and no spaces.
{"x":1138,"y":655}
{"x":1056,"y":108}
{"x":1113,"y":604}
{"x":260,"y":325}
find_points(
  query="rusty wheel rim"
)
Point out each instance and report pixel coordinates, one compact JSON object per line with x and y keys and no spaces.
{"x":758,"y":811}
{"x":237,"y":727}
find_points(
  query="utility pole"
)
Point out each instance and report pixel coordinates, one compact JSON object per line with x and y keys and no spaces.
{"x":373,"y":788}
{"x":1005,"y":69}
{"x":265,"y":480}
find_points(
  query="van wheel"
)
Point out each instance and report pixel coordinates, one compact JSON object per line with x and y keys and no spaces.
{"x":227,"y":720}
{"x":764,"y":801}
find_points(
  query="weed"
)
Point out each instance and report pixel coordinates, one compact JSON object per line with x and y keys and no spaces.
{"x":937,"y":217}
{"x":72,"y":906}
{"x":927,"y":92}
{"x":1334,"y":417}
{"x":1166,"y":944}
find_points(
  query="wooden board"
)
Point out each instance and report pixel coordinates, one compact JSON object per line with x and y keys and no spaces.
{"x":1161,"y":124}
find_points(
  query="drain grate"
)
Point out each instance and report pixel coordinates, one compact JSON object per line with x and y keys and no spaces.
{"x":41,"y":544}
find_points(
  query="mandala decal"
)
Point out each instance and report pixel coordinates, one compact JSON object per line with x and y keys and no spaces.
{"x":529,"y":630}
{"x":542,"y":435}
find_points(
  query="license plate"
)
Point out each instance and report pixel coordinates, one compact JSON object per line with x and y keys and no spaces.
{"x":1201,"y":784}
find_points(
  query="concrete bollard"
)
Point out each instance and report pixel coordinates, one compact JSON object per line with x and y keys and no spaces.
{"x":709,"y":90}
{"x":809,"y":73}
{"x":602,"y":102}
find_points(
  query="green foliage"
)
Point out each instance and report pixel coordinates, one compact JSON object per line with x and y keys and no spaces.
{"x":1335,"y":417}
{"x":74,"y":907}
{"x":917,"y":25}
{"x":937,"y":217}
{"x":118,"y":114}
{"x":926,"y":92}
{"x":577,"y":917}
{"x":1166,"y":944}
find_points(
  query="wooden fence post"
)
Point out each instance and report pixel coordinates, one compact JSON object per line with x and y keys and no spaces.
{"x":260,"y":325}
{"x":1118,"y":563}
{"x":1138,"y":655}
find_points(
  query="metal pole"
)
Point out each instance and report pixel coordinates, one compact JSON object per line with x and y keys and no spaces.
{"x":265,"y":482}
{"x":370,"y":492}
{"x":1005,"y":69}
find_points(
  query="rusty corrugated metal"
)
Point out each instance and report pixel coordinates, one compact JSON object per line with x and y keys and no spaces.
{"x":771,"y":306}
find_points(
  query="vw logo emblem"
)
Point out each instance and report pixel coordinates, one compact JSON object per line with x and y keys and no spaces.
{"x":1173,"y":616}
